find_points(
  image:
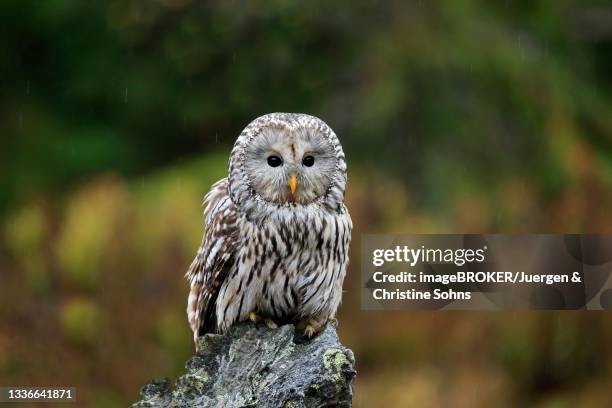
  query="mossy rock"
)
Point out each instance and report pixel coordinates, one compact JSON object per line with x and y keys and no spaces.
{"x":254,"y":366}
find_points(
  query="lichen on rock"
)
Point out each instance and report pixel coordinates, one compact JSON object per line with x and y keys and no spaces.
{"x":254,"y":366}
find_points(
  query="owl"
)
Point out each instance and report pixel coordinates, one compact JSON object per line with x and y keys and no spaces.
{"x":277,"y":232}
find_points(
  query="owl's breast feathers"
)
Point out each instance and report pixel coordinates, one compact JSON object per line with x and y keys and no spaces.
{"x":294,"y":263}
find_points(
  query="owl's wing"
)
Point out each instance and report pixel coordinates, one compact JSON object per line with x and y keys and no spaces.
{"x":215,"y":256}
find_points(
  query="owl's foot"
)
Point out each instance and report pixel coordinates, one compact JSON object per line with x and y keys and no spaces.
{"x":254,"y":317}
{"x":270,"y":323}
{"x":309,"y":331}
{"x":313,"y":327}
{"x":333,"y":319}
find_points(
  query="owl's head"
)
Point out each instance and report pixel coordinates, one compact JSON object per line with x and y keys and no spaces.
{"x":285,"y":158}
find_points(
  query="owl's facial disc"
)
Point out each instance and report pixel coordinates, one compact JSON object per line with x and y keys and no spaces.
{"x":286,"y":165}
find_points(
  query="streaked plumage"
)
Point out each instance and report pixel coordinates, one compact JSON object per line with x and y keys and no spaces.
{"x":270,"y":248}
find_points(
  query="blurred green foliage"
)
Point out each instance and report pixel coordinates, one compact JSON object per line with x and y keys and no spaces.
{"x":471,"y":92}
{"x":80,"y":320}
{"x":456,"y":116}
{"x":25,"y":234}
{"x":91,"y":217}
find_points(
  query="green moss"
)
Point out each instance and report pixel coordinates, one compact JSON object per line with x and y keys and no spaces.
{"x":333,"y":360}
{"x":194,"y":384}
{"x":202,"y":375}
{"x":220,"y":392}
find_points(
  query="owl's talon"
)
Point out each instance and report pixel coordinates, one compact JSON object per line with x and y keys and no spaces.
{"x":309,"y":331}
{"x":270,"y":323}
{"x":333,"y":320}
{"x":254,"y":317}
{"x":313,"y":327}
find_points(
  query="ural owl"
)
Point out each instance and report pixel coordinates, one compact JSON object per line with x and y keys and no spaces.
{"x":277,"y":231}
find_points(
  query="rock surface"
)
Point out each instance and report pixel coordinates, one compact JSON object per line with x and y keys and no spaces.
{"x":254,"y":366}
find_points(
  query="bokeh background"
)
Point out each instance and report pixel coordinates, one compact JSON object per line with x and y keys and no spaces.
{"x":456,"y":117}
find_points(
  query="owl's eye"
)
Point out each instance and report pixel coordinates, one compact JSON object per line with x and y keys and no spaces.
{"x":308,"y":161}
{"x":274,"y":161}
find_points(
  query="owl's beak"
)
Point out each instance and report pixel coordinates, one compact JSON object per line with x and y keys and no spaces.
{"x":293,"y":183}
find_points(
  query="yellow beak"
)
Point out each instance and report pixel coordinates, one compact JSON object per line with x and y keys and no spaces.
{"x":293,"y":183}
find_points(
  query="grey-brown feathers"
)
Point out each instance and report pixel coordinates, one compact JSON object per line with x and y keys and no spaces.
{"x":277,"y":231}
